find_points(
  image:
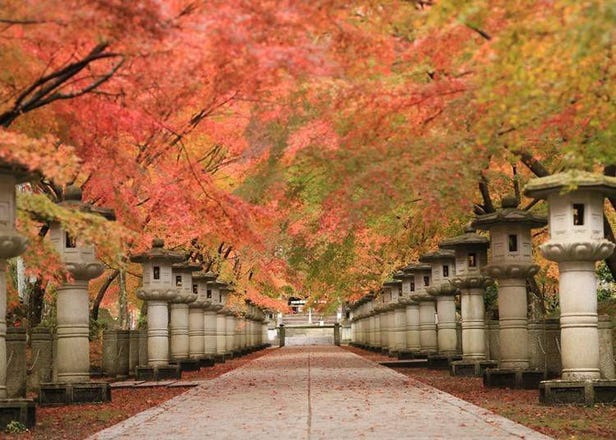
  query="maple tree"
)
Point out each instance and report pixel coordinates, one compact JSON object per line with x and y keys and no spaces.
{"x":297,"y":146}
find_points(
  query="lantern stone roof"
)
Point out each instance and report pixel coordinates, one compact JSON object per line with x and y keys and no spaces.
{"x":400,"y":275}
{"x":470,"y":238}
{"x":186,"y":266}
{"x":509,"y":214}
{"x":539,"y":188}
{"x":205,"y":276}
{"x":392,"y":283}
{"x":20,"y":172}
{"x":73,"y":198}
{"x":159,"y":253}
{"x":416,"y":267}
{"x":440,"y":254}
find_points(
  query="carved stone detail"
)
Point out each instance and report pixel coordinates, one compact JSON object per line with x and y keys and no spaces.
{"x":443,"y":289}
{"x":478,"y":282}
{"x":85,"y":271}
{"x":510,"y":270}
{"x":578,"y":250}
{"x":12,"y":244}
{"x":166,"y":295}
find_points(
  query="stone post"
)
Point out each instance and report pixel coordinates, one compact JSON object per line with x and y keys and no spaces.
{"x":442,"y":271}
{"x":178,"y":317}
{"x":42,"y":357}
{"x":110,"y":353}
{"x":16,"y":365}
{"x":133,"y":356}
{"x":576,"y":242}
{"x":123,"y":353}
{"x":511,"y":264}
{"x":471,"y":255}
{"x":158,"y":290}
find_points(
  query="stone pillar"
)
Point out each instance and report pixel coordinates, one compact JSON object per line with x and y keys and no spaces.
{"x":420,"y":279}
{"x":576,"y":242}
{"x":158,"y":333}
{"x":207,"y":329}
{"x":196,"y":330}
{"x":178,"y":318}
{"x":412,"y":328}
{"x":427,"y":324}
{"x":229,"y":333}
{"x":158,"y":290}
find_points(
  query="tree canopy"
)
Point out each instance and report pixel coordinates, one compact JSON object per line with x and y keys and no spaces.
{"x":297,"y":146}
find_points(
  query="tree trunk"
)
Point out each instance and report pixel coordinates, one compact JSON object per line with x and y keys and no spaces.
{"x":101,"y":294}
{"x":123,"y":301}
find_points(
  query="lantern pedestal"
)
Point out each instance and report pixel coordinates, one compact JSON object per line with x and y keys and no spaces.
{"x":20,"y":410}
{"x":72,"y":393}
{"x":512,"y":378}
{"x":441,"y":361}
{"x":575,"y":392}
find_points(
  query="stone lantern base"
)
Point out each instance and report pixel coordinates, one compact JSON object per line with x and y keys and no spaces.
{"x":587,"y":392}
{"x":187,"y":364}
{"x":207,"y":361}
{"x":405,"y":355}
{"x":442,"y":361}
{"x":510,"y":378}
{"x":159,"y":372}
{"x":470,"y":368}
{"x":71,"y":393}
{"x":20,"y":410}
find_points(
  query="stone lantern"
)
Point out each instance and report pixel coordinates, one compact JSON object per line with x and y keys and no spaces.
{"x":376,"y":311}
{"x":71,"y":382}
{"x":210,"y":307}
{"x":576,"y":242}
{"x":196,"y":322}
{"x":471,"y":256}
{"x":179,"y":313}
{"x":442,"y":263}
{"x":13,"y":244}
{"x":158,"y":290}
{"x":511,"y":263}
{"x":219,"y":300}
{"x":427,"y":312}
{"x":411,"y":311}
{"x":229,"y":316}
{"x":397,"y":319}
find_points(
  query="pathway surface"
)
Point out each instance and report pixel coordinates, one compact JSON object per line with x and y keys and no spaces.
{"x":316,"y":392}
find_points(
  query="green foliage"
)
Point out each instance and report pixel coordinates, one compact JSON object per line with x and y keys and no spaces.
{"x":606,"y":288}
{"x":490,"y":300}
{"x":15,"y":427}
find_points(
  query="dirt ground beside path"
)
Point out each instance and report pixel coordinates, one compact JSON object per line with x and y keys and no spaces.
{"x":522,"y":406}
